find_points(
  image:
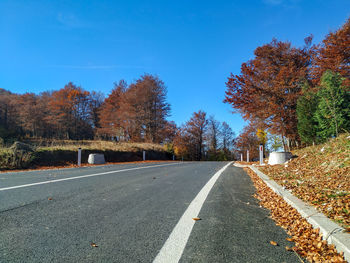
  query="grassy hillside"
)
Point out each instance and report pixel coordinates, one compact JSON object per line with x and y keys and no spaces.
{"x":320,"y":175}
{"x":64,"y":152}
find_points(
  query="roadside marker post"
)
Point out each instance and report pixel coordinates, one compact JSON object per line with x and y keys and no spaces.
{"x":261,"y":154}
{"x":241,"y":157}
{"x":144,"y":155}
{"x":247,"y":155}
{"x":173,"y":157}
{"x":79,"y":156}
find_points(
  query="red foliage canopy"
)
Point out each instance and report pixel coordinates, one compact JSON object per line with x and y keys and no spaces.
{"x":269,"y":85}
{"x":334,"y":54}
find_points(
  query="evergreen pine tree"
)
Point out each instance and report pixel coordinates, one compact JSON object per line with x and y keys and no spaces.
{"x":307,"y":124}
{"x":333,"y":112}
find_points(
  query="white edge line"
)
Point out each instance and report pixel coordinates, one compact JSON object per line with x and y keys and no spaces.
{"x":174,"y":246}
{"x":82,"y":176}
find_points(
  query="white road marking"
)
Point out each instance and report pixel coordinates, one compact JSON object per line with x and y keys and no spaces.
{"x":173,"y":248}
{"x":82,"y":176}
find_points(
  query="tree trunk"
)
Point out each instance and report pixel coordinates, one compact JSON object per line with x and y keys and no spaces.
{"x":283,"y":142}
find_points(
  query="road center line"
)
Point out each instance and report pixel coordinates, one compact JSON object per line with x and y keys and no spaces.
{"x":173,"y":248}
{"x":82,"y":176}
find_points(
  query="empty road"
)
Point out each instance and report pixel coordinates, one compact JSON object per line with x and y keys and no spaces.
{"x":136,"y":213}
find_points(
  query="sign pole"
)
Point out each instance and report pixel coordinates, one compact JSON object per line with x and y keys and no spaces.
{"x":79,"y":156}
{"x":261,"y":154}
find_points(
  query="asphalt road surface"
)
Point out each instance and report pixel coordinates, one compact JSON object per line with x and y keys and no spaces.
{"x":136,"y":213}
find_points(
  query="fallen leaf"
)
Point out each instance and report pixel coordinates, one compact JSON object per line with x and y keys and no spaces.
{"x":273,"y":243}
{"x":308,"y":241}
{"x":94,"y":244}
{"x":196,"y":219}
{"x":289,"y":248}
{"x":50,"y":198}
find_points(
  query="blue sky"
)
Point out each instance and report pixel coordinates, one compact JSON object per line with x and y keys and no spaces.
{"x":191,"y":45}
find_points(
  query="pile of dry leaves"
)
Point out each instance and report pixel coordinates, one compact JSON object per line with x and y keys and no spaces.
{"x":320,"y":176}
{"x":308,"y":241}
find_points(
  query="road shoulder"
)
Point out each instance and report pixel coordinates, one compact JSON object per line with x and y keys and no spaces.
{"x":234,"y":228}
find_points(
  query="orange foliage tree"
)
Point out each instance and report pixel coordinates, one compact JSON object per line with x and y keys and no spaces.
{"x":247,"y":141}
{"x":269,"y":86}
{"x":189,"y":140}
{"x":70,"y":112}
{"x":110,"y":115}
{"x":9,"y":124}
{"x":32,"y":114}
{"x":136,"y":112}
{"x":334,"y":54}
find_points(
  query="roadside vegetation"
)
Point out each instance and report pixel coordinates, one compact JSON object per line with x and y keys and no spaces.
{"x":132,"y":117}
{"x":298,"y":99}
{"x":320,"y":175}
{"x":299,"y":96}
{"x":44,"y":153}
{"x":308,"y":241}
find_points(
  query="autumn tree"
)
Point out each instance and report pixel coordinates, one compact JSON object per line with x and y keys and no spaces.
{"x":269,"y":86}
{"x":228,"y":137}
{"x":32,"y":115}
{"x":136,"y":112}
{"x":190,"y":138}
{"x":262,"y":136}
{"x":24,"y":115}
{"x":213,"y":137}
{"x":70,"y":113}
{"x":196,"y":127}
{"x":334,"y":54}
{"x":248,"y":140}
{"x":225,"y":143}
{"x":149,"y":106}
{"x":47,"y":128}
{"x":109,"y":114}
{"x":9,"y":122}
{"x":182,"y":143}
{"x":95,"y":102}
{"x":28,"y":112}
{"x":168,"y":132}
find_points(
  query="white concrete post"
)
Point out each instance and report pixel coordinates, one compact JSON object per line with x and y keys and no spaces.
{"x":247,"y":155}
{"x":144,"y":155}
{"x":173,"y":157}
{"x":79,"y":156}
{"x":241,"y":157}
{"x":261,"y":154}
